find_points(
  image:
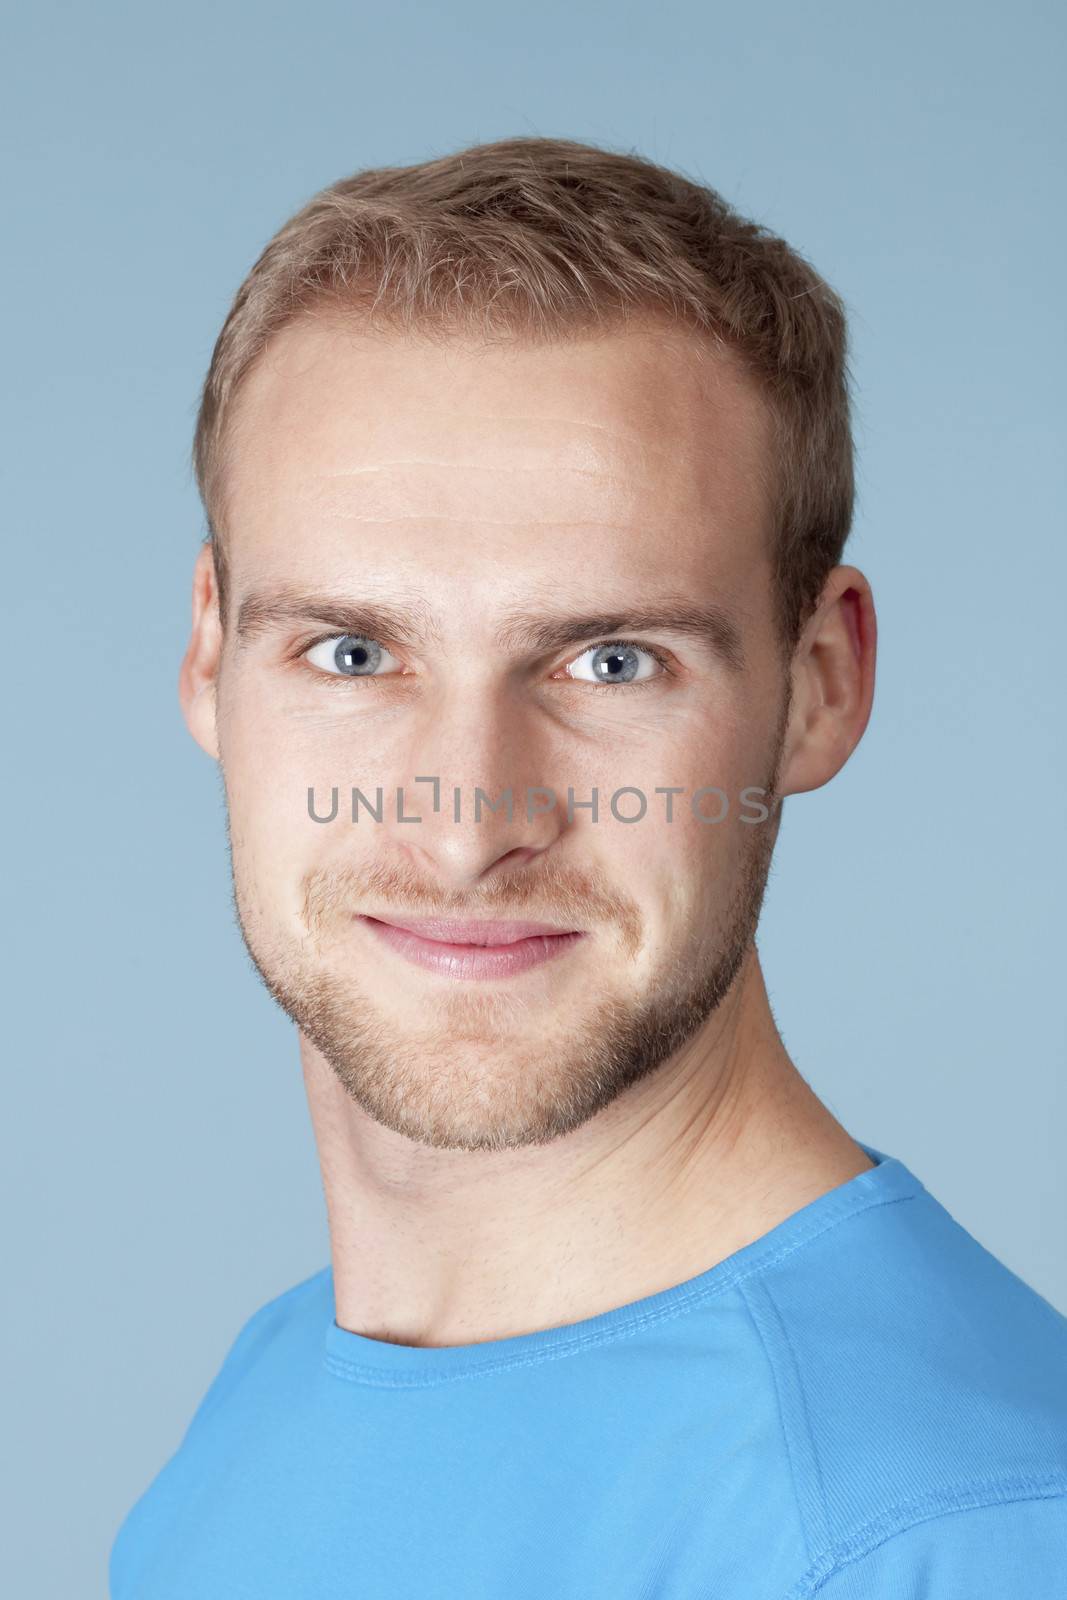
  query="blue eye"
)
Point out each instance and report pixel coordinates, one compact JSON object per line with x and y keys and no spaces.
{"x":618,"y":663}
{"x":349,"y":655}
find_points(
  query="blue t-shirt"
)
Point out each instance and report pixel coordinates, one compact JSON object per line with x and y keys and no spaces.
{"x":862,"y":1404}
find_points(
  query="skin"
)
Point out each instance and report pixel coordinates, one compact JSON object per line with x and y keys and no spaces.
{"x":502,"y":1156}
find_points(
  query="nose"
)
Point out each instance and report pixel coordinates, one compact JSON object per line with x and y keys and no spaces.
{"x":479,"y":781}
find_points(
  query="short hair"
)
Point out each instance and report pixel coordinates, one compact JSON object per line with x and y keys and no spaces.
{"x":544,"y":239}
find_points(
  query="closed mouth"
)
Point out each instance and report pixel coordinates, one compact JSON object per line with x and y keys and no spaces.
{"x":469,"y":931}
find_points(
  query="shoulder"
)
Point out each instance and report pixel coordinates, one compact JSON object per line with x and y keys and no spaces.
{"x":1014,"y":1542}
{"x":923,"y":1390}
{"x":295,"y":1315}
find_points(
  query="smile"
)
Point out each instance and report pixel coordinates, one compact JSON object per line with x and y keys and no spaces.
{"x":468,"y":949}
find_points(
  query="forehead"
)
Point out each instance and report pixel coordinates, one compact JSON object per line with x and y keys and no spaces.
{"x":643,"y":438}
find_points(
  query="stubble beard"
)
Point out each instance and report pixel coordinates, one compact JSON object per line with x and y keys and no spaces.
{"x":491,"y":1074}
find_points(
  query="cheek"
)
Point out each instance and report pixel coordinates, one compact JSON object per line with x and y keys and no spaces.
{"x":683,"y":873}
{"x":273,"y":838}
{"x":679,"y":753}
{"x":688,"y":801}
{"x":271,"y":757}
{"x":277,"y":743}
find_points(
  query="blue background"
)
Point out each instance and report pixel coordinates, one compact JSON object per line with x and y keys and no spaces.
{"x":160,"y":1171}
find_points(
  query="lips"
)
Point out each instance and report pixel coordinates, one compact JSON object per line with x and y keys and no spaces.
{"x":443,"y":930}
{"x":454,"y":948}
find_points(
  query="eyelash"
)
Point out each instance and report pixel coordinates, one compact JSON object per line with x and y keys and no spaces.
{"x":335,"y":679}
{"x":633,"y":644}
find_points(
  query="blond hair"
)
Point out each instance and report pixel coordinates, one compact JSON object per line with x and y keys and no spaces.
{"x":548,"y":238}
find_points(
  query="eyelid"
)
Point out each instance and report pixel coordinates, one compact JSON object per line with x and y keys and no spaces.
{"x":655,"y":651}
{"x":658,"y":651}
{"x":304,"y":649}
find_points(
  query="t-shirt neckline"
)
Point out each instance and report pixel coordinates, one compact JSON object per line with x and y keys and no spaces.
{"x":356,"y":1358}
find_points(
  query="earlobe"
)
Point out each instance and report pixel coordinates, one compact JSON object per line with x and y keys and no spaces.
{"x":198,"y":676}
{"x":833,"y":683}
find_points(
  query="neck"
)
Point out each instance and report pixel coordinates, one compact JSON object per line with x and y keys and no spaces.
{"x":445,"y":1247}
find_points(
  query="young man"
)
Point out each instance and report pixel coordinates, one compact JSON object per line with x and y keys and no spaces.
{"x":528,"y":474}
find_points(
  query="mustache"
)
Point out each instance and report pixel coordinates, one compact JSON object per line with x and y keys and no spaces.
{"x":581,"y":898}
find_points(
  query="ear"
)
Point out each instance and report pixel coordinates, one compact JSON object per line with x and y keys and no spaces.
{"x":833,"y":683}
{"x":198,"y":677}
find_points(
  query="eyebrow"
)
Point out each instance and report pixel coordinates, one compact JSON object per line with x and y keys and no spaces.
{"x":412,"y":623}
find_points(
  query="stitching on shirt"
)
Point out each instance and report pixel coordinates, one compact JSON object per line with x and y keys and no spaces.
{"x":815,"y":1538}
{"x":973,"y":1494}
{"x":357,"y":1372}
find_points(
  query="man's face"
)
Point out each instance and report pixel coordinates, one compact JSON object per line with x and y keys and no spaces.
{"x":403,"y":519}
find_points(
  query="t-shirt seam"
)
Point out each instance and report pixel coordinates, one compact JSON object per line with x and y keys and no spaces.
{"x":972,"y":1494}
{"x":815,"y":1538}
{"x":356,"y":1372}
